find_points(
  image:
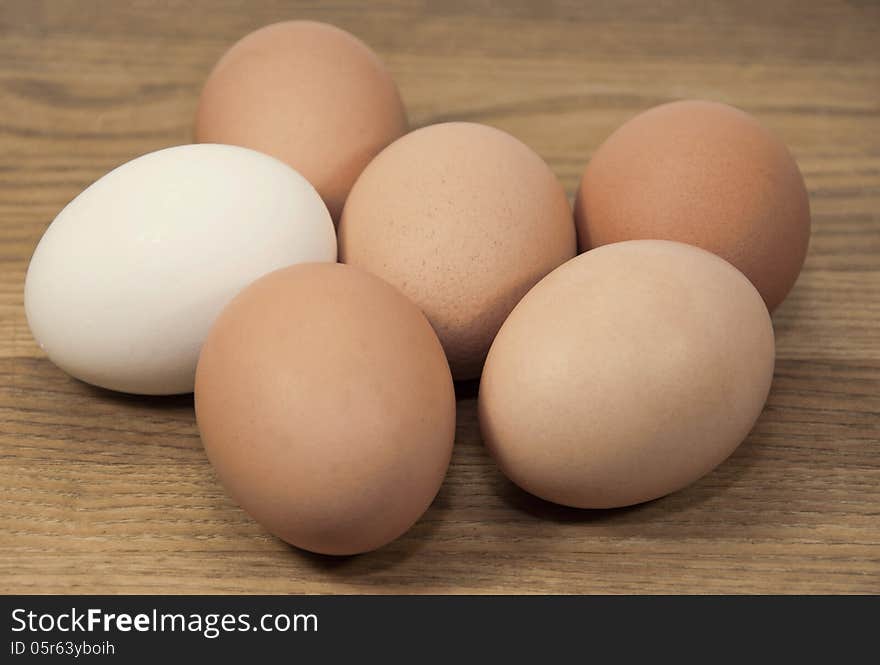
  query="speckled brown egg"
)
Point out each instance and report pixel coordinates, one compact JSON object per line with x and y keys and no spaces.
{"x":707,"y":174}
{"x":311,"y":95}
{"x":626,"y":374}
{"x":464,"y":219}
{"x":326,"y":406}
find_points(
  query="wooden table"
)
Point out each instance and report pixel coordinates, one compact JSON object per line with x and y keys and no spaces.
{"x":109,"y":493}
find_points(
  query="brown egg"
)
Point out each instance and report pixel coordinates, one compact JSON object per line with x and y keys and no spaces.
{"x":326,"y":406}
{"x":626,"y":374}
{"x":706,"y":174}
{"x":464,"y":219}
{"x":311,"y":95}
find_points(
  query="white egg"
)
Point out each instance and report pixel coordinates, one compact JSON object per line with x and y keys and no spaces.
{"x":127,"y":280}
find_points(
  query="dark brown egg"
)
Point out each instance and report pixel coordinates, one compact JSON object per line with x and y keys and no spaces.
{"x":706,"y":174}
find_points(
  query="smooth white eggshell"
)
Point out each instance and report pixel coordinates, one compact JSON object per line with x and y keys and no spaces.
{"x":127,"y":280}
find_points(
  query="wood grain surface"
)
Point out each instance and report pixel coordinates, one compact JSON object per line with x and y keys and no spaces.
{"x":102,"y":492}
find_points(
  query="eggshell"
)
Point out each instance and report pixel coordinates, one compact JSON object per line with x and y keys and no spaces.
{"x":464,"y":219}
{"x":625,"y":374}
{"x":127,"y":280}
{"x":308,"y":93}
{"x":706,"y":174}
{"x":326,"y":407}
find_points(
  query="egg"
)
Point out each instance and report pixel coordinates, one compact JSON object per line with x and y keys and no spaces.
{"x":326,"y":406}
{"x":626,"y":374}
{"x":707,"y":174}
{"x":464,"y":219}
{"x":126,"y":281}
{"x":309,"y":94}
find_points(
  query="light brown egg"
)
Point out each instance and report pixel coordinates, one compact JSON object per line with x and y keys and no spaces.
{"x":311,"y":95}
{"x":326,"y":406}
{"x":707,"y":174}
{"x":464,"y":219}
{"x":625,"y":374}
